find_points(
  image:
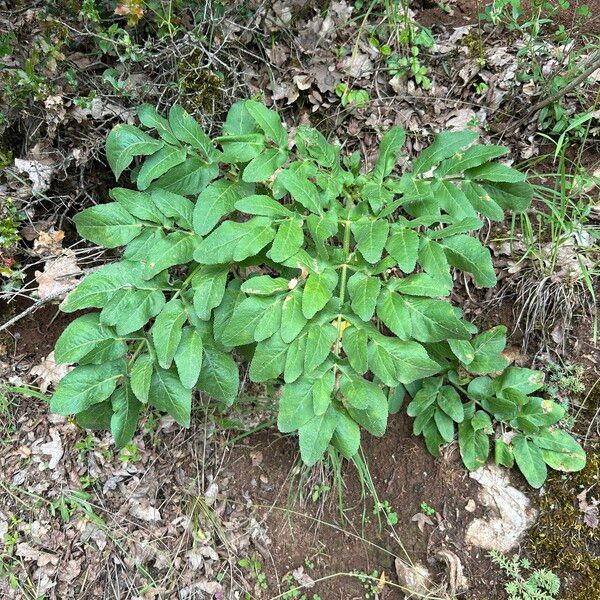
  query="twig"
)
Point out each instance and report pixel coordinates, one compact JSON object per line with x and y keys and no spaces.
{"x":45,"y":300}
{"x":593,"y":64}
{"x":36,"y":305}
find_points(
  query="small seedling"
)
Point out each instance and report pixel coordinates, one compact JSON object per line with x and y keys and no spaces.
{"x":526,"y":583}
{"x":427,"y":510}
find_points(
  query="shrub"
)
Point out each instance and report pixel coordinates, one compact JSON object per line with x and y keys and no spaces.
{"x":331,"y":279}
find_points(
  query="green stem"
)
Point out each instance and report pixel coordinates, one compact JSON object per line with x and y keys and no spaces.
{"x":343,"y":280}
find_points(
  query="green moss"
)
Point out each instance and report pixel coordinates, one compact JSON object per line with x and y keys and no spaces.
{"x":202,"y":88}
{"x":561,"y":541}
{"x":473,"y":42}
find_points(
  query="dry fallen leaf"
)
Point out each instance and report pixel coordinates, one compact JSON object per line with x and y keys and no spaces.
{"x":60,"y":275}
{"x":49,"y":242}
{"x":421,"y":520}
{"x":49,"y":373}
{"x":589,"y":509}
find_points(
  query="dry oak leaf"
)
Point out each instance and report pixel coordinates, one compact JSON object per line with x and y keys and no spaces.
{"x":49,"y":373}
{"x":60,"y":276}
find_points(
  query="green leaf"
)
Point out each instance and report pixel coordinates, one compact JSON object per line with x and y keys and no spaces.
{"x":322,"y":392}
{"x":364,"y":291}
{"x":467,"y":253}
{"x":187,"y":130}
{"x":188,"y":178}
{"x":487,"y":349}
{"x":268,"y":361}
{"x":449,"y":401}
{"x":382,"y":364}
{"x":240,"y":329}
{"x":560,"y":451}
{"x":97,"y":416}
{"x":346,"y":437}
{"x":390,"y":147}
{"x":288,"y":240}
{"x":239,"y":121}
{"x":496,"y":172}
{"x":513,"y":196}
{"x":421,"y":284}
{"x":265,"y":285}
{"x":315,"y":437}
{"x":241,"y":148}
{"x":370,"y":237}
{"x":445,"y":145}
{"x":301,"y":189}
{"x":176,"y":248}
{"x":140,"y":377}
{"x":503,"y":454}
{"x":403,"y":246}
{"x":130,"y":309}
{"x":481,"y":201}
{"x":270,"y":322}
{"x":463,"y":350}
{"x":169,"y":395}
{"x":434,"y":320}
{"x":294,"y":361}
{"x":263,"y":166}
{"x":444,"y":424}
{"x":295,"y":406}
{"x":292,"y":318}
{"x":255,"y":239}
{"x":392,"y":310}
{"x":354,"y":343}
{"x":138,"y":204}
{"x":269,"y":121}
{"x":318,"y":290}
{"x":411,"y":359}
{"x":149,"y":117}
{"x":85,"y":386}
{"x":530,"y":461}
{"x":216,"y":201}
{"x":124,"y":142}
{"x":374,"y":417}
{"x":360,"y":393}
{"x":264,"y":206}
{"x":319,"y":340}
{"x":188,"y":357}
{"x":108,"y":225}
{"x":126,"y":412}
{"x":166,"y":331}
{"x":472,"y":157}
{"x":452,"y":200}
{"x":524,"y":380}
{"x":86,"y":337}
{"x":209,"y":287}
{"x":158,"y":164}
{"x":433,"y":259}
{"x":474,"y":446}
{"x":219,"y":376}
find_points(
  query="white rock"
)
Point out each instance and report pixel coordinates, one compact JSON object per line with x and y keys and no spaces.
{"x":510,"y":512}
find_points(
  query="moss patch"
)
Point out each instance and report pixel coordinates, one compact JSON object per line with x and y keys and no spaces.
{"x":202,"y":89}
{"x":561,"y":541}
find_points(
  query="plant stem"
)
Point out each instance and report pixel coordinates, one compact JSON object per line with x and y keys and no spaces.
{"x":343,"y":280}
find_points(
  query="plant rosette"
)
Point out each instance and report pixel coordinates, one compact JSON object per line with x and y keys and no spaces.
{"x":334,"y":281}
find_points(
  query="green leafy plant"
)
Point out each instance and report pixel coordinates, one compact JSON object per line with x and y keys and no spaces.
{"x":330,"y":279}
{"x":541,"y":584}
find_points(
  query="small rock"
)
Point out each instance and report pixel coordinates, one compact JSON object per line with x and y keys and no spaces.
{"x":470,"y":506}
{"x":413,"y":579}
{"x":510,"y":512}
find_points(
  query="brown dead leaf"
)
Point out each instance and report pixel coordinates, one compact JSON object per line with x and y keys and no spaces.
{"x":421,"y":520}
{"x":588,"y":508}
{"x":49,"y":373}
{"x":49,"y":242}
{"x":60,"y":276}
